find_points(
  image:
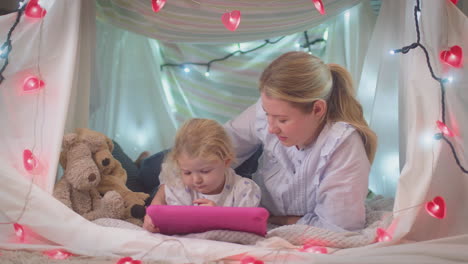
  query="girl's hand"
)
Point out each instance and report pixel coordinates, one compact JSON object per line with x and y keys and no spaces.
{"x":204,"y":202}
{"x":148,"y":225}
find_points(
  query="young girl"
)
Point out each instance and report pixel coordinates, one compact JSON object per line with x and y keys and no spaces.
{"x":197,"y":171}
{"x":317,"y":146}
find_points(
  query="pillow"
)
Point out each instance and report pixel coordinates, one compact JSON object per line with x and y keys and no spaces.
{"x":180,"y":219}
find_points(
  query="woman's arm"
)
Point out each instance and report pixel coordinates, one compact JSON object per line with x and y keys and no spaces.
{"x":340,"y":195}
{"x":242,"y":132}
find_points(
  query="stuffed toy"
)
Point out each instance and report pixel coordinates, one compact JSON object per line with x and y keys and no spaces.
{"x":114,"y":176}
{"x":77,"y":189}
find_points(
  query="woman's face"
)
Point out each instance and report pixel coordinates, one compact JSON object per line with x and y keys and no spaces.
{"x":292,"y":126}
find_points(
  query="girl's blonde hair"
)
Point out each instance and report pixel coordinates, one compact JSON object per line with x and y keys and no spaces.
{"x":202,"y":138}
{"x":301,"y":79}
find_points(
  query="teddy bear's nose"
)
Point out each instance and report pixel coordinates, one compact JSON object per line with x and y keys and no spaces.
{"x":92,"y":177}
{"x":105,"y":162}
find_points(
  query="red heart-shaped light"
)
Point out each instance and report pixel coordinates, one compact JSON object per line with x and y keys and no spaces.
{"x":319,"y":5}
{"x":32,"y":84}
{"x":29,"y":161}
{"x":314,"y":249}
{"x":444,"y":129}
{"x":436,"y":207}
{"x":128,"y":260}
{"x":19,"y":231}
{"x":453,"y":56}
{"x":454,"y":1}
{"x":157,"y":5}
{"x":250,"y":260}
{"x":34,"y":10}
{"x":382,"y":235}
{"x":231,"y":19}
{"x":57,"y":254}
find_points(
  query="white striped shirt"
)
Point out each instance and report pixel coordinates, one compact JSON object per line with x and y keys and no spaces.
{"x":326,"y":183}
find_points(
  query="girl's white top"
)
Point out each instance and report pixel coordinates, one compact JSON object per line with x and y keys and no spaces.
{"x":237,"y":192}
{"x":326,"y":182}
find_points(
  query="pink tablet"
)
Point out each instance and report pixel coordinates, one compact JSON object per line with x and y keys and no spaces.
{"x":179,"y":219}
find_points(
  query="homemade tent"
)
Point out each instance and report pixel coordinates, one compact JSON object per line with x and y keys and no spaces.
{"x":402,"y":98}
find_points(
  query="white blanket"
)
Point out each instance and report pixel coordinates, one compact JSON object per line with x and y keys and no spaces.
{"x":378,"y":215}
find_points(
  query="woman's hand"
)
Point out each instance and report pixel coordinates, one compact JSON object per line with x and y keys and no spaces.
{"x":148,"y":225}
{"x":204,"y":202}
{"x":284,"y":220}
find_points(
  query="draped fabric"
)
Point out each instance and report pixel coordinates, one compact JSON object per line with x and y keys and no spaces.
{"x":56,"y":50}
{"x":200,"y":21}
{"x":37,"y":122}
{"x":139,"y":101}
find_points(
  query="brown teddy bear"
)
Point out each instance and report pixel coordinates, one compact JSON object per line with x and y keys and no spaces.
{"x":78,"y":187}
{"x":114,"y":176}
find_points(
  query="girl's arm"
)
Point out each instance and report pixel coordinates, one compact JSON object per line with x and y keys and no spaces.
{"x":160,"y":196}
{"x":159,"y":199}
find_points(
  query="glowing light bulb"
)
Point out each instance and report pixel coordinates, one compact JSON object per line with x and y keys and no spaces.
{"x":319,"y":6}
{"x":29,"y":161}
{"x":450,"y":79}
{"x":5,"y":49}
{"x":250,"y":260}
{"x":34,"y":10}
{"x":186,"y":69}
{"x":314,"y":249}
{"x":19,"y":231}
{"x":382,"y":235}
{"x":436,"y":208}
{"x":32,"y":84}
{"x":444,"y":129}
{"x":207,"y":74}
{"x":128,"y":260}
{"x":157,"y":5}
{"x":57,"y":254}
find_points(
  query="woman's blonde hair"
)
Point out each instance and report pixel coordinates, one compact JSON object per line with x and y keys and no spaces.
{"x":202,"y":138}
{"x":301,"y":79}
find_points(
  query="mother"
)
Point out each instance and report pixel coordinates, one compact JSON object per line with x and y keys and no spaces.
{"x":317,"y":146}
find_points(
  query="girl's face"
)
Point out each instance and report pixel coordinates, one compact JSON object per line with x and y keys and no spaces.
{"x":201,"y":175}
{"x":292,"y":126}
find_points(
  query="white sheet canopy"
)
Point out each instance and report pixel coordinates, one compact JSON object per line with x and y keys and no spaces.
{"x":60,"y":47}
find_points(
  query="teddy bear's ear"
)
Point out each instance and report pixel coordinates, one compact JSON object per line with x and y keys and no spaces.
{"x":110,"y":144}
{"x":68,"y":140}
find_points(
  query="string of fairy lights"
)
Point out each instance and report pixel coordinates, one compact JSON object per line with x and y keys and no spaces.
{"x":6,"y":47}
{"x":436,"y":207}
{"x":306,"y":45}
{"x":452,"y":57}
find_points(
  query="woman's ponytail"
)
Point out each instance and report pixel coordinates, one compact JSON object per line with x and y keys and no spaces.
{"x":343,"y":106}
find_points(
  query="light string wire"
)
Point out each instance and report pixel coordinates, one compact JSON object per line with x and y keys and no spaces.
{"x":38,"y":69}
{"x":208,"y":64}
{"x":441,"y":81}
{"x":6,"y":47}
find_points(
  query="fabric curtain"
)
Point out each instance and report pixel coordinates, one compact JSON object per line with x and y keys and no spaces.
{"x":37,"y":121}
{"x":200,"y":21}
{"x":52,"y":50}
{"x":139,"y":101}
{"x":430,"y":167}
{"x":378,"y":94}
